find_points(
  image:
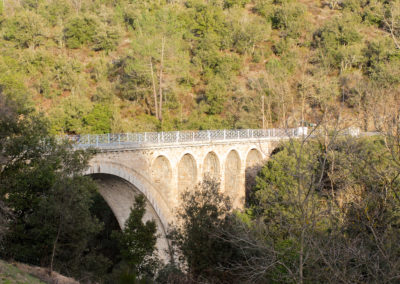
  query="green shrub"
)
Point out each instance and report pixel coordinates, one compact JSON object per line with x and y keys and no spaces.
{"x":286,"y":16}
{"x":382,"y":60}
{"x":67,"y":73}
{"x":99,"y":119}
{"x":106,"y":38}
{"x":130,"y":16}
{"x":68,"y":116}
{"x":55,"y":11}
{"x":80,"y":30}
{"x":233,"y":3}
{"x":133,"y":78}
{"x":263,"y":8}
{"x":339,"y":42}
{"x":25,"y":29}
{"x":354,"y":6}
{"x":247,"y":33}
{"x":216,"y":95}
{"x":208,"y":19}
{"x":31,"y":4}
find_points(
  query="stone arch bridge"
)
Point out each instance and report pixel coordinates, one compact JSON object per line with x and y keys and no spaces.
{"x":161,"y":165}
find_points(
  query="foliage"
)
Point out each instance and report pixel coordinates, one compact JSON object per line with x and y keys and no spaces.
{"x":289,"y":18}
{"x":80,"y":30}
{"x":381,"y":59}
{"x":105,"y":38}
{"x":69,"y":116}
{"x":137,"y":243}
{"x":99,"y":119}
{"x":26,"y":29}
{"x":204,"y":211}
{"x":180,"y":62}
{"x":339,"y":42}
{"x":329,"y":205}
{"x":215,"y":96}
{"x":41,"y":183}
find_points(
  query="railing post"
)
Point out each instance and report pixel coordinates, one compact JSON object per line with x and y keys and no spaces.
{"x":158,"y":137}
{"x":145,"y":137}
{"x":209,"y":135}
{"x":108,"y":140}
{"x":89,"y":139}
{"x":248,"y":133}
{"x":177,"y":137}
{"x":162,"y":136}
{"x":119,"y":139}
{"x":97,"y":140}
{"x":224,"y":134}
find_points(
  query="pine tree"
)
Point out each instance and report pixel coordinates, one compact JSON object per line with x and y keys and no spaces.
{"x":137,"y":243}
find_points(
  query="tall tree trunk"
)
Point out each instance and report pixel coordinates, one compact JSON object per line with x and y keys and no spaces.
{"x":53,"y":253}
{"x":263,"y":112}
{"x":301,"y":260}
{"x":270,"y":112}
{"x":161,"y":70}
{"x":154,"y":89}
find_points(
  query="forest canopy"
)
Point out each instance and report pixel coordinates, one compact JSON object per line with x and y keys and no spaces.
{"x":122,"y":66}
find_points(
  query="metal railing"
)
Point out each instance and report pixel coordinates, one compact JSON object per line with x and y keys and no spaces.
{"x":135,"y":140}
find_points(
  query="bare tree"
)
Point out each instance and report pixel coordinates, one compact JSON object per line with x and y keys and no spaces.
{"x":154,"y":89}
{"x":158,"y":98}
{"x":391,"y":20}
{"x":161,"y":77}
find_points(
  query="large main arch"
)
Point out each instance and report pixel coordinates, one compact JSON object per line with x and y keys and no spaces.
{"x":119,"y":184}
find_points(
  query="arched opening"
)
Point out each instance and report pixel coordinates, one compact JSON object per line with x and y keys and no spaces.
{"x":161,"y":173}
{"x":105,"y":243}
{"x":211,"y":167}
{"x":119,"y":194}
{"x":187,"y":172}
{"x":232,"y":174}
{"x":253,"y":166}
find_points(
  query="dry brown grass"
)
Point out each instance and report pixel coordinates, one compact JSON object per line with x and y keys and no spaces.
{"x":43,"y":274}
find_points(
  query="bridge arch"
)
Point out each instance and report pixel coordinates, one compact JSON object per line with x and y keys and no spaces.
{"x":211,"y":165}
{"x":161,"y":173}
{"x":232,"y":173}
{"x":119,"y":184}
{"x":187,"y":172}
{"x":254,"y":162}
{"x":253,"y":157}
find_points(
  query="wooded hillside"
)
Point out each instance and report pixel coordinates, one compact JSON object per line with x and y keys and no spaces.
{"x":119,"y":65}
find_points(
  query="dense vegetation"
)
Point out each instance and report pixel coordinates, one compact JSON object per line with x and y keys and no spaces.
{"x":319,"y":213}
{"x":121,"y":65}
{"x":322,"y":210}
{"x":52,"y":216}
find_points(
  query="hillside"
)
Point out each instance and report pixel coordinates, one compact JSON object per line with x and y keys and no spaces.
{"x":120,"y":66}
{"x":18,"y":273}
{"x":10,"y":274}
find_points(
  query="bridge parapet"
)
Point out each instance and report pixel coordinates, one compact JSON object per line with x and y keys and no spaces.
{"x":151,"y":139}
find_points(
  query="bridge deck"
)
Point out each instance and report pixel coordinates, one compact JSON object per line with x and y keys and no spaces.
{"x":154,"y":139}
